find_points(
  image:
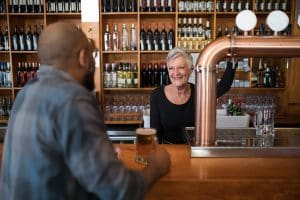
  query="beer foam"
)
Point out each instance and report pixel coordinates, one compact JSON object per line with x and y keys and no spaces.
{"x":145,"y":131}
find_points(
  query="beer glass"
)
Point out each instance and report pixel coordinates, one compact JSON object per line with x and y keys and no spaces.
{"x":264,"y":124}
{"x":145,"y":143}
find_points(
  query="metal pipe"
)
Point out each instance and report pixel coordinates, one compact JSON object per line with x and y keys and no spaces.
{"x":235,"y":46}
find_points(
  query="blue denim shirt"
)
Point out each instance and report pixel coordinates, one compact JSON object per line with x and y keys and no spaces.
{"x":56,"y":146}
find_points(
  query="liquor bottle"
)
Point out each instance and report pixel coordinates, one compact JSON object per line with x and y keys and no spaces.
{"x":247,"y":5}
{"x":152,"y":5}
{"x":149,"y":38}
{"x":277,"y":5}
{"x":219,"y":33}
{"x":120,"y":77}
{"x":158,"y":6}
{"x":202,"y":5}
{"x":29,"y":39}
{"x":253,"y":77}
{"x":232,"y":6}
{"x":179,"y":28}
{"x":164,"y":38}
{"x":124,"y":70}
{"x":195,"y":28}
{"x":113,"y":75}
{"x":15,"y":40}
{"x":125,"y":39}
{"x":133,"y":38}
{"x":115,"y":38}
{"x":74,"y":6}
{"x":53,"y":6}
{"x":189,"y":28}
{"x":129,"y":76}
{"x":1,"y":40}
{"x":284,"y":5}
{"x":156,"y":38}
{"x":181,"y":7}
{"x":164,"y":5}
{"x":6,"y":39}
{"x":219,"y":6}
{"x":226,"y":30}
{"x":35,"y":38}
{"x":225,"y":6}
{"x":107,"y":39}
{"x":66,"y":6}
{"x":184,"y":28}
{"x":209,"y":6}
{"x":267,"y":76}
{"x":208,"y":31}
{"x":279,"y":83}
{"x":106,"y":75}
{"x":135,"y":75}
{"x":143,"y":44}
{"x":171,"y":38}
{"x":200,"y":28}
{"x":269,"y":5}
{"x":260,"y":74}
{"x":60,"y":6}
{"x":240,"y":5}
{"x":262,"y":6}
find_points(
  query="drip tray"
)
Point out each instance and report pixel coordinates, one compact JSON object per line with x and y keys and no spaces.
{"x":231,"y":142}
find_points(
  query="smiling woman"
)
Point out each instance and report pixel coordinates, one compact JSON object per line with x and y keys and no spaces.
{"x":172,"y":106}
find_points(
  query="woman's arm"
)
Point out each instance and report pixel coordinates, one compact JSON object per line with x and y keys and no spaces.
{"x":226,"y":81}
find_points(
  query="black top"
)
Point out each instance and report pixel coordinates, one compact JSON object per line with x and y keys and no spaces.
{"x":170,"y":119}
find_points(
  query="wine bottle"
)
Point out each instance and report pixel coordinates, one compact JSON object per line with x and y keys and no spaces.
{"x":35,"y":38}
{"x":6,"y":39}
{"x":15,"y":40}
{"x":29,"y":39}
{"x":156,"y":38}
{"x":1,"y":40}
{"x":164,"y":38}
{"x":171,"y":38}
{"x":149,"y":38}
{"x":143,"y":46}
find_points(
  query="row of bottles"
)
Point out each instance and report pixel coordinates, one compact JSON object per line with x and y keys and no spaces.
{"x":263,"y":29}
{"x":26,"y":71}
{"x":28,"y":41}
{"x":157,"y":5}
{"x":119,"y":5}
{"x":5,"y":75}
{"x":158,"y":39}
{"x":233,"y":5}
{"x":267,"y":76}
{"x":6,"y":104}
{"x":269,"y":5}
{"x":26,"y":6}
{"x":154,"y":75}
{"x":120,"y":75}
{"x":63,"y":6}
{"x":113,"y":39}
{"x":192,"y":34}
{"x":195,"y":6}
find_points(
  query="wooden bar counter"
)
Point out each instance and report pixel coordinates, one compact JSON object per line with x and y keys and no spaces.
{"x":220,"y":178}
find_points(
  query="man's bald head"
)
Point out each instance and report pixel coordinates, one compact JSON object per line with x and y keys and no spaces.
{"x":60,"y":42}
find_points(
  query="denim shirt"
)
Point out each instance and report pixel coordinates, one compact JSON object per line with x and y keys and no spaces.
{"x":56,"y":146}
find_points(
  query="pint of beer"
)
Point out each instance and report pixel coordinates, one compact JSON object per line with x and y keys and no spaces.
{"x":145,"y":143}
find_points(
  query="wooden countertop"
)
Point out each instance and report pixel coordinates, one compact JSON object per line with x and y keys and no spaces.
{"x":220,"y":178}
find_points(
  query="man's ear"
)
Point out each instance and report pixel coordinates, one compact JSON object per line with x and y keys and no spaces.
{"x":82,"y":58}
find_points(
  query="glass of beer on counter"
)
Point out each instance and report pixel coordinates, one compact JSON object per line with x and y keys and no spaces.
{"x":145,"y":143}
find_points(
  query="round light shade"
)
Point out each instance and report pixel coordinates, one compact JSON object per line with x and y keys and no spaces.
{"x":277,"y":20}
{"x":246,"y":20}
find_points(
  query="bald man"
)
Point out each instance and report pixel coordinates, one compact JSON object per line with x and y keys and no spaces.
{"x":56,"y":146}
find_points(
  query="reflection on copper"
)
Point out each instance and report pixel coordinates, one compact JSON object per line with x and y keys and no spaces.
{"x":233,"y":46}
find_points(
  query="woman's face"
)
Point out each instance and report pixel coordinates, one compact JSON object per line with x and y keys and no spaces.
{"x":179,"y":71}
